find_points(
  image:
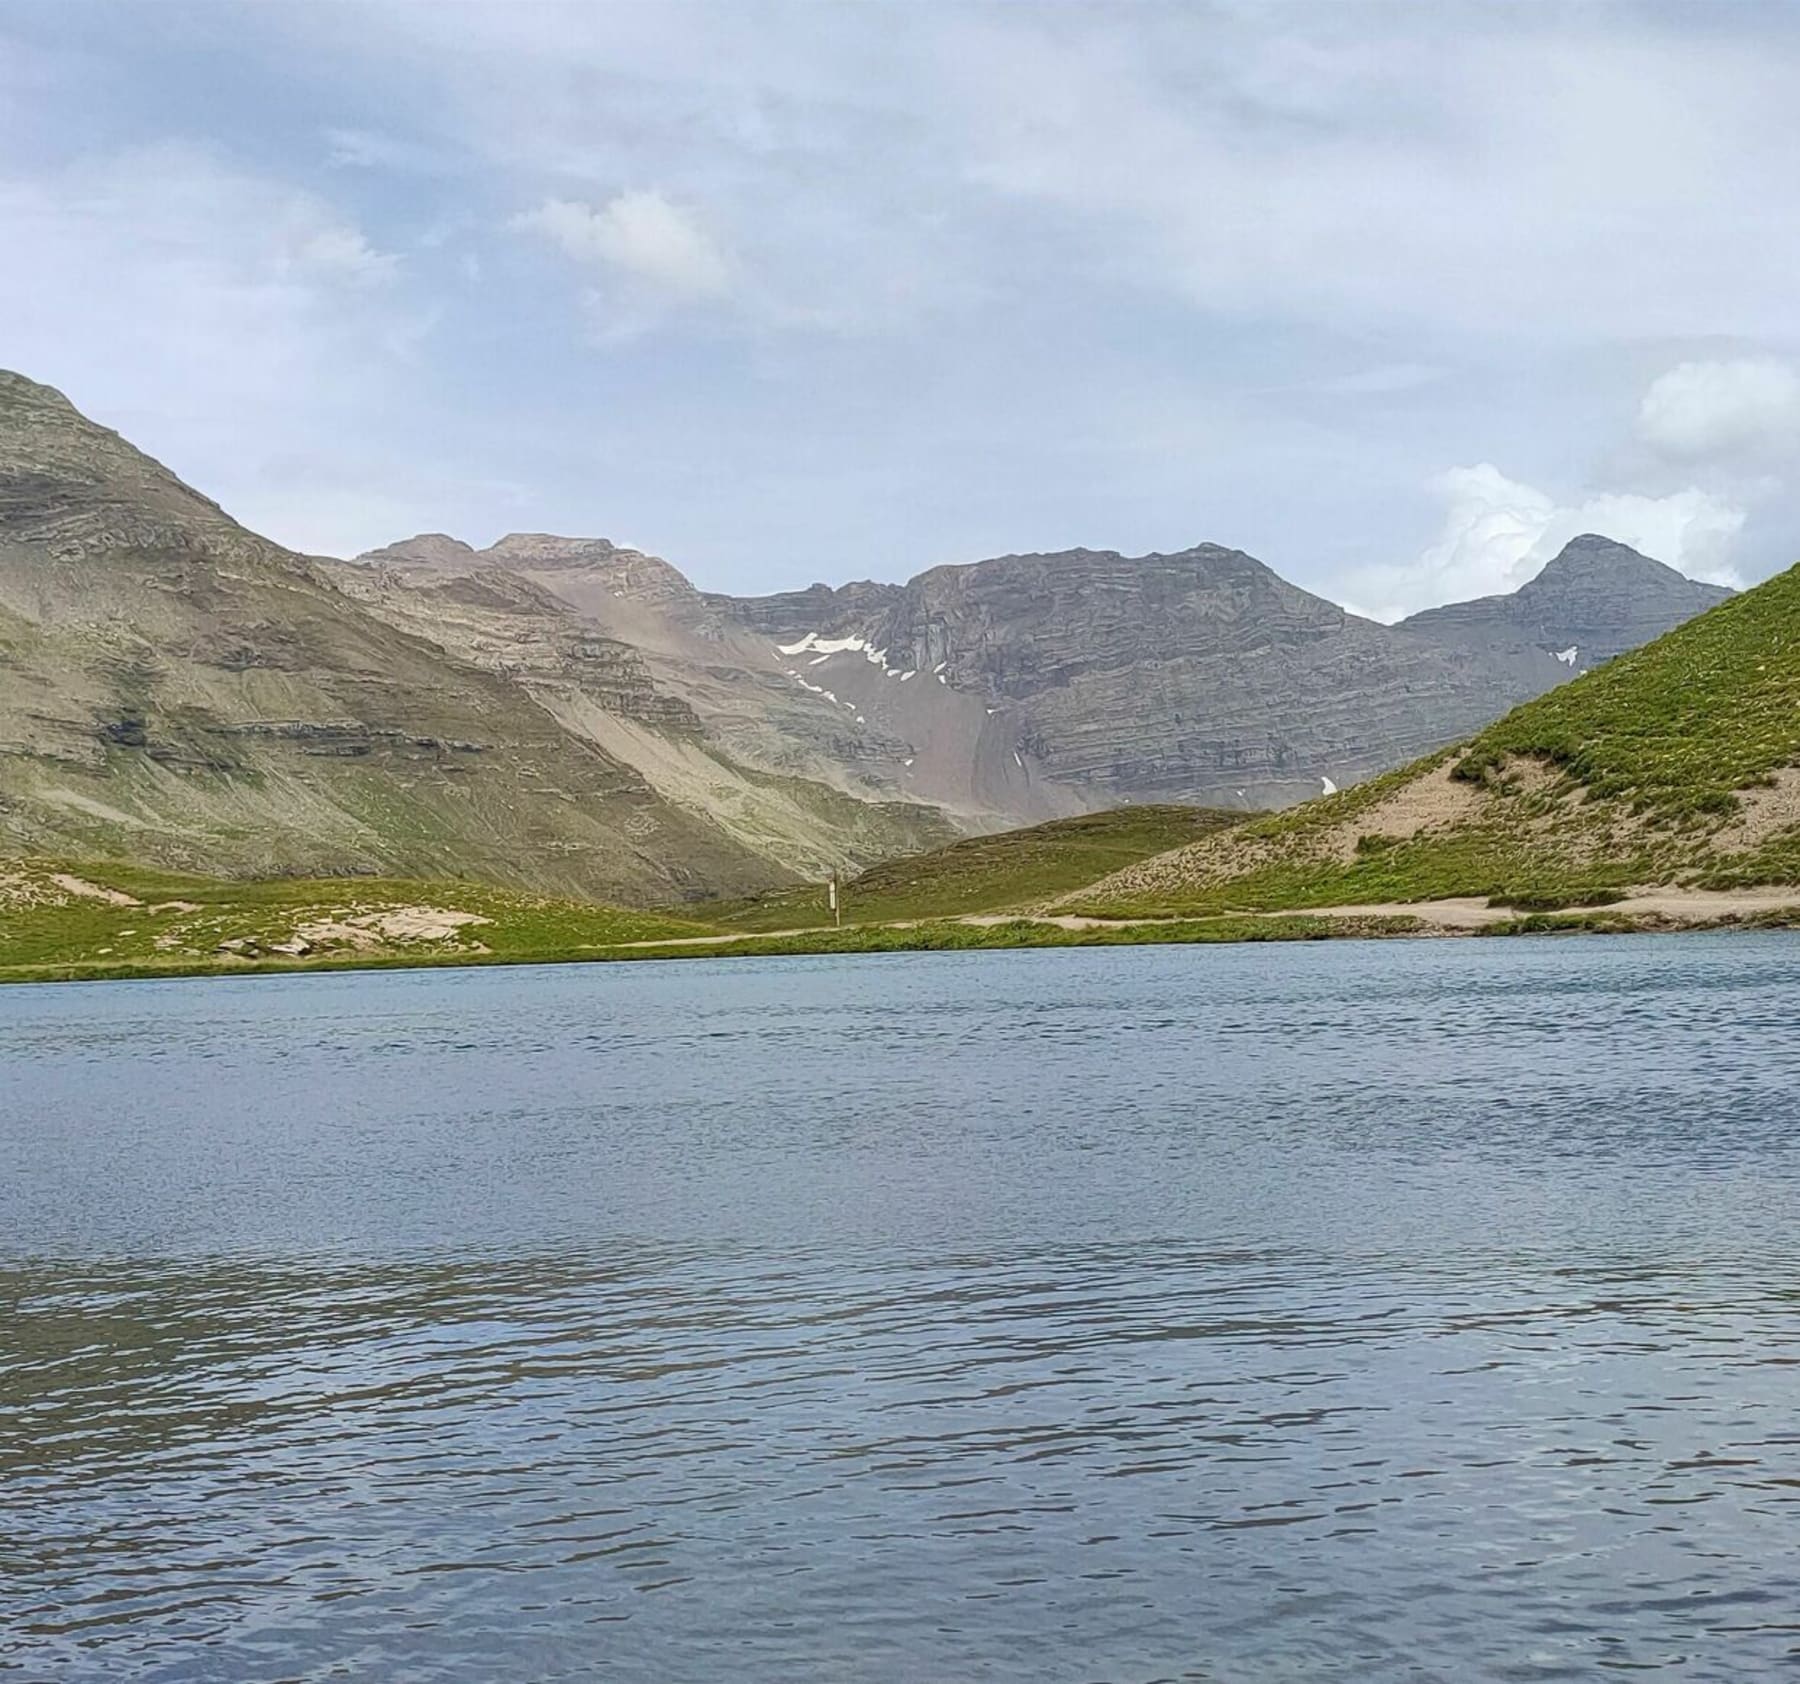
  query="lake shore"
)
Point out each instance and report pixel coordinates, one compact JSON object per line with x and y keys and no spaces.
{"x":1650,"y":910}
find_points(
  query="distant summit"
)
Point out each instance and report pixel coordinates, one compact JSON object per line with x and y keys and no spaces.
{"x":1595,"y":599}
{"x":597,"y":563}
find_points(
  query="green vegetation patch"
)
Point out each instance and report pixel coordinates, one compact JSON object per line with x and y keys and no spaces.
{"x":1011,"y":869}
{"x":1676,"y":728}
{"x":953,"y":937}
{"x":115,"y":919}
{"x":1558,"y":902}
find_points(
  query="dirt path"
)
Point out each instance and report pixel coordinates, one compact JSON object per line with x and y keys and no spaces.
{"x":1672,"y":906}
{"x":1676,"y":906}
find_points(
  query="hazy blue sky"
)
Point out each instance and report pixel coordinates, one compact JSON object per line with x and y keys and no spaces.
{"x":1396,"y":297}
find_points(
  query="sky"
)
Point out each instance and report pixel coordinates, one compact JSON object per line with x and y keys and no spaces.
{"x":1396,"y":297}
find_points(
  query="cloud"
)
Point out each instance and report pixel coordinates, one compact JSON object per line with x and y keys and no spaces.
{"x":1498,"y":532}
{"x":1380,"y":381}
{"x":640,"y":234}
{"x":223,"y":319}
{"x":1740,"y":413}
{"x":994,"y":276}
{"x":1512,"y":171}
{"x":336,"y":250}
{"x":197,"y":276}
{"x":373,"y":149}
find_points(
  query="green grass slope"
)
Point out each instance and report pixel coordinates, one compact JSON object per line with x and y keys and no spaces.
{"x":82,"y":919}
{"x":66,"y":921}
{"x":986,"y":874}
{"x":1676,"y":764}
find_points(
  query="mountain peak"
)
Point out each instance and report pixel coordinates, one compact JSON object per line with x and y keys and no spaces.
{"x":551,"y":549}
{"x":1592,"y":552}
{"x":1594,"y":599}
{"x":62,"y":473}
{"x":1593,"y":565}
{"x":19,"y":392}
{"x":424,"y":549}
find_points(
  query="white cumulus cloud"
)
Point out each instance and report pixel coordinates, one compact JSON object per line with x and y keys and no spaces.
{"x":1741,"y":412}
{"x":1498,"y":532}
{"x":642,"y":234}
{"x":334,"y":250}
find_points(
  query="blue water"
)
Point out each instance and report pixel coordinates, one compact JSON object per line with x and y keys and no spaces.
{"x":1341,"y":1311}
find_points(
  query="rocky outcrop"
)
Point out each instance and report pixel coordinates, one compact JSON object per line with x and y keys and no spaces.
{"x":597,"y":563}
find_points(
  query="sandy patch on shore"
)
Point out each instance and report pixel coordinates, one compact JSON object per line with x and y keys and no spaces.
{"x":366,"y":931}
{"x":1668,"y":905}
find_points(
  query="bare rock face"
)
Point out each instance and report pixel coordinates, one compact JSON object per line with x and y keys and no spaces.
{"x":428,"y":552}
{"x":599,"y":564}
{"x":1595,"y":600}
{"x":504,"y":621}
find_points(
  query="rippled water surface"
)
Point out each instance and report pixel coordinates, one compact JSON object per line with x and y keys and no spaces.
{"x":1416,"y":1311}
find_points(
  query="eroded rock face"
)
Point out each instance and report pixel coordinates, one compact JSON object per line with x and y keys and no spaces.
{"x":633,"y":575}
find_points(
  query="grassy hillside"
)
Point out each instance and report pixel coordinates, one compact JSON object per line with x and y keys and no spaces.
{"x":1680,"y":727}
{"x":987,"y":873}
{"x":79,"y":921}
{"x":82,"y":918}
{"x":1675,"y":764}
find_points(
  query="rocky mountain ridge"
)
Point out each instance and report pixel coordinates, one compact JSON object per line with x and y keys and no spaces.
{"x":1197,"y":676}
{"x":575,"y":715}
{"x":177,"y":690}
